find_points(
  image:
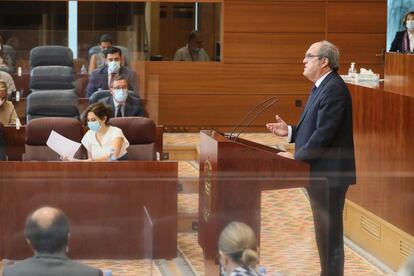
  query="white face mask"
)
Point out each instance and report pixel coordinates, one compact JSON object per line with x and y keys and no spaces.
{"x":114,"y":66}
{"x":2,"y":102}
{"x":222,"y":271}
{"x":410,"y":24}
{"x":120,"y":95}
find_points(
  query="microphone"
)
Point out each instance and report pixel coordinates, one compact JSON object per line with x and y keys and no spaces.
{"x":255,"y":116}
{"x":230,"y":136}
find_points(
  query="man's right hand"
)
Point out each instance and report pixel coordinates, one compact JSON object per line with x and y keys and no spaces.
{"x":280,"y":128}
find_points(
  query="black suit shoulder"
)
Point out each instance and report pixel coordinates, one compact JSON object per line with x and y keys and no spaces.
{"x":39,"y":266}
{"x":396,"y":45}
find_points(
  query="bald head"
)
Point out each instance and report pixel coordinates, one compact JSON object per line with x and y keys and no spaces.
{"x":45,"y":216}
{"x":47,"y":229}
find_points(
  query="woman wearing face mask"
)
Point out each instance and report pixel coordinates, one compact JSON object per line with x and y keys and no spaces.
{"x":98,"y":59}
{"x":102,"y":141}
{"x":6,"y":61}
{"x":404,"y":40}
{"x":238,"y":250}
{"x":8,"y":114}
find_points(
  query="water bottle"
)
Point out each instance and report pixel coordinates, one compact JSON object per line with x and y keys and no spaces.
{"x":112,"y":156}
{"x":352,"y":70}
{"x":18,"y":123}
{"x":83,"y":70}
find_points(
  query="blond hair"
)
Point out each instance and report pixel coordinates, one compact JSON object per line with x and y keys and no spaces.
{"x":238,"y":241}
{"x":3,"y":85}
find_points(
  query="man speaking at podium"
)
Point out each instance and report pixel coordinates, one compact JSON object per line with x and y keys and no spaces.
{"x":323,"y":139}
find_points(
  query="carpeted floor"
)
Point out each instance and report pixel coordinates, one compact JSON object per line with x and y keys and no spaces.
{"x":126,"y":267}
{"x":288,"y":245}
{"x":287,"y":234}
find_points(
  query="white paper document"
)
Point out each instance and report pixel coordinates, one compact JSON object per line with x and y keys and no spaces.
{"x":62,"y":145}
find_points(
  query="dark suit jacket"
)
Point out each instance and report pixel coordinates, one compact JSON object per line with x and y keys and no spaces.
{"x":99,"y":79}
{"x":132,"y":106}
{"x":397,"y":43}
{"x":49,"y":264}
{"x":323,"y":137}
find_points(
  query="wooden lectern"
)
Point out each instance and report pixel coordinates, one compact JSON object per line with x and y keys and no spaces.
{"x":232,"y":175}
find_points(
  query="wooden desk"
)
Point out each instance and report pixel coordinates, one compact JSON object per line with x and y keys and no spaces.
{"x":103,"y":200}
{"x":398,"y":73}
{"x":384,"y":152}
{"x":15,"y":140}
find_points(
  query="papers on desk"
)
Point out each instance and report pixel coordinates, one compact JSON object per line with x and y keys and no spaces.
{"x":62,"y":145}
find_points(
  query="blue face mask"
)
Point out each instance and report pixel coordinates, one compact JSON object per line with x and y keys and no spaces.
{"x":94,"y":126}
{"x":120,"y":95}
{"x":114,"y":66}
{"x":410,"y":24}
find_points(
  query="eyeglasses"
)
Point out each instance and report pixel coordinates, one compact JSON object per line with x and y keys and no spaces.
{"x":309,"y":56}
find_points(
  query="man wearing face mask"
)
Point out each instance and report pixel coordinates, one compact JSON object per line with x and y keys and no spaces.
{"x":8,"y":114}
{"x":193,"y":51}
{"x":404,"y":40}
{"x":122,"y":104}
{"x":103,"y":76}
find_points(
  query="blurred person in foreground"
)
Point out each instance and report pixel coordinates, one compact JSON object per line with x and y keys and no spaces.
{"x":238,"y":250}
{"x":47,"y":231}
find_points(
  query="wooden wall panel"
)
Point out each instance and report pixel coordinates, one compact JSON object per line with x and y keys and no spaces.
{"x":274,"y":17}
{"x":352,"y":17}
{"x":263,"y":44}
{"x":359,"y":48}
{"x":215,"y":78}
{"x":267,"y":47}
{"x":224,"y":110}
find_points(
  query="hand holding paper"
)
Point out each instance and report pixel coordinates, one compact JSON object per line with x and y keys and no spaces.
{"x":62,"y":145}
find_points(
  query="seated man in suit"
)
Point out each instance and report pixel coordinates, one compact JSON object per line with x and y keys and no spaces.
{"x":193,"y":51}
{"x":121,"y":103}
{"x":103,"y":76}
{"x":47,"y":232}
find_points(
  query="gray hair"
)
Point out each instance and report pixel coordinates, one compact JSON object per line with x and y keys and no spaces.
{"x":331,"y":52}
